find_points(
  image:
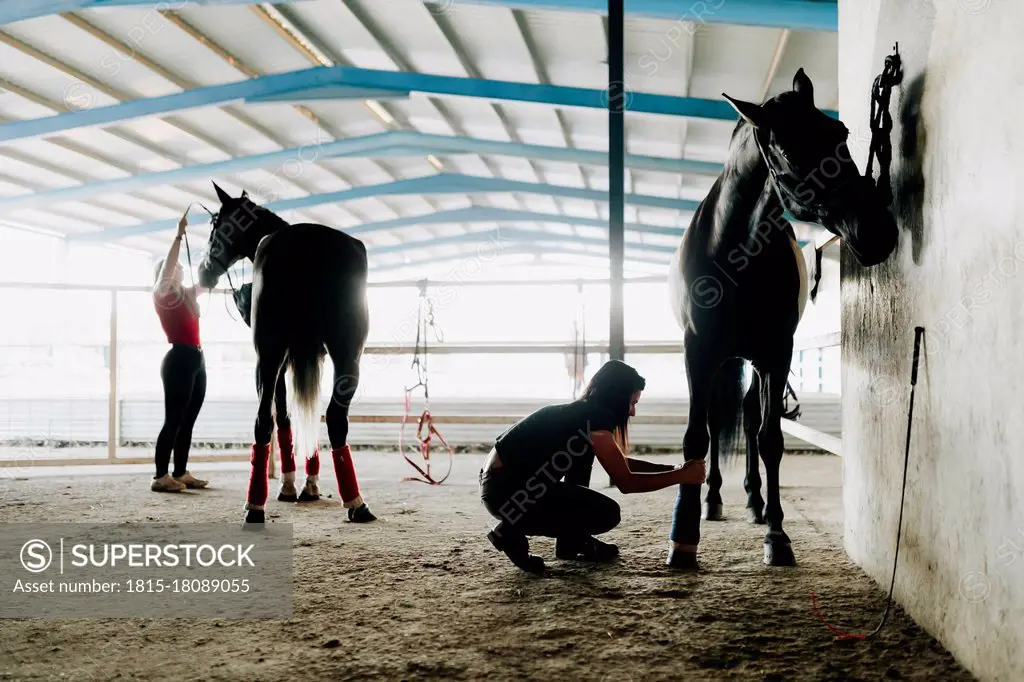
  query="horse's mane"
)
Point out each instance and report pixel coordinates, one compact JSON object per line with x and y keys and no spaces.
{"x":739,"y":124}
{"x":266,"y":214}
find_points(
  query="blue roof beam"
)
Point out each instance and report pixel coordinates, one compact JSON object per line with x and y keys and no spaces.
{"x":502,"y":237}
{"x":20,"y":10}
{"x":487,"y":214}
{"x":394,"y":143}
{"x":799,"y":15}
{"x":311,"y":83}
{"x":441,"y":183}
{"x":518,"y":249}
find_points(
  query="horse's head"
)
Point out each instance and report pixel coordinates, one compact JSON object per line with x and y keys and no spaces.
{"x":813,"y":173}
{"x":234,"y":234}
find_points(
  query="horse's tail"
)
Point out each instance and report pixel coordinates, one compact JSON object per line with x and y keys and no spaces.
{"x":306,"y":367}
{"x":729,"y":388}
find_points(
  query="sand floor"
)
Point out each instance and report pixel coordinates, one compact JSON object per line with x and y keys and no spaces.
{"x":420,"y":594}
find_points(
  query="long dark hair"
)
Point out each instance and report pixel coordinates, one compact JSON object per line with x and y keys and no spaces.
{"x":612,"y":387}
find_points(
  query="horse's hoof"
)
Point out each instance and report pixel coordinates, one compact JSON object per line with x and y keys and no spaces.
{"x":287,"y":497}
{"x":361,"y":514}
{"x":308,"y":497}
{"x":779,"y":554}
{"x":755,"y":515}
{"x":254,"y":519}
{"x":682,"y":560}
{"x":713,"y":511}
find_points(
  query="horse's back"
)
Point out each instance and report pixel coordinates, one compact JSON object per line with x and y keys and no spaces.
{"x":310,"y":283}
{"x":303,"y":245}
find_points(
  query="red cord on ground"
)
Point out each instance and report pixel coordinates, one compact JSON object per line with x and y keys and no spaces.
{"x":840,"y":634}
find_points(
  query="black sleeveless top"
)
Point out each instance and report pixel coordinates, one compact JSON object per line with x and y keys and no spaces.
{"x":553,"y":440}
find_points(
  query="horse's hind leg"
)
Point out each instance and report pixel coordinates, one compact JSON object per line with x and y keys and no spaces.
{"x":751,"y":426}
{"x":285,"y":443}
{"x":713,"y":508}
{"x":346,"y":382}
{"x":268,"y":369}
{"x":777,"y":548}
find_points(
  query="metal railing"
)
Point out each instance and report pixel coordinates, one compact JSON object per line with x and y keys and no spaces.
{"x":117,"y":409}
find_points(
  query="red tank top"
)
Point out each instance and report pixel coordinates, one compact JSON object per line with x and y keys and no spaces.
{"x":180,"y":324}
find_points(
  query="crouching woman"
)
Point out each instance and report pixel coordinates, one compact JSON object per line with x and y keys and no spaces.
{"x":536,"y":478}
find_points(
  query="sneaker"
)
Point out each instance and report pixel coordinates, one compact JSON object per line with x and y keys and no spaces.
{"x":191,"y":481}
{"x":166,"y":484}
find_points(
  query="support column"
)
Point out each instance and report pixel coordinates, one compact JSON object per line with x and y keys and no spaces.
{"x":616,"y":174}
{"x":113,"y":427}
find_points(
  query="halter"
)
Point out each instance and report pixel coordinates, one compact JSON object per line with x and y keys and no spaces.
{"x":217,"y":260}
{"x":785,"y":188}
{"x":425,"y":429}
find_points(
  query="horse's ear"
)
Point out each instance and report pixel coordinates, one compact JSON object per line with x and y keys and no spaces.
{"x":221,"y":194}
{"x":245,"y":195}
{"x":802,"y":84}
{"x":753,"y":113}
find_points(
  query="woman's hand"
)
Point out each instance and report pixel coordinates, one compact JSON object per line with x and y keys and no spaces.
{"x":182,"y":224}
{"x":696,"y":470}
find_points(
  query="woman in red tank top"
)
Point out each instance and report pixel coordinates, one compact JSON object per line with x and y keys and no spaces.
{"x":183,"y":370}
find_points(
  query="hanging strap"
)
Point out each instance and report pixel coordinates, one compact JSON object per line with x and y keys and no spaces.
{"x":881,"y":123}
{"x":426,"y":429}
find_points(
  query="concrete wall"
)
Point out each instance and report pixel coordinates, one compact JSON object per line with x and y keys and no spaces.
{"x":959,"y":169}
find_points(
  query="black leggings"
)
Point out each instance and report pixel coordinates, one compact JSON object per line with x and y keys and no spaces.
{"x":539,"y":506}
{"x":184,"y":375}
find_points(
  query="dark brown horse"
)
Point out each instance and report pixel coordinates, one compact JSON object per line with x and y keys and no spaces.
{"x":308,"y":301}
{"x":738,"y":286}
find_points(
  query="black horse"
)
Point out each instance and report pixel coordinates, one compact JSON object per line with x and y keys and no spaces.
{"x":308,"y":301}
{"x":738,"y":286}
{"x":286,"y":449}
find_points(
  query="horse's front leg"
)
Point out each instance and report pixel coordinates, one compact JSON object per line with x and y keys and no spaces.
{"x":778,"y":550}
{"x":685,"y":533}
{"x":751,"y":427}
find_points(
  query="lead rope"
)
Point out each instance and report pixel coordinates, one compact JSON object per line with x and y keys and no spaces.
{"x":425,"y":430}
{"x":188,"y":248}
{"x":918,"y":334}
{"x":881,"y":144}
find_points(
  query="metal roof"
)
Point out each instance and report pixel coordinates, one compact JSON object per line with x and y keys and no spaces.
{"x":420,"y":126}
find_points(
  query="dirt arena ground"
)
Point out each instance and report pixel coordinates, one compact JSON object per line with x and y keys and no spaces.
{"x":421,"y":594}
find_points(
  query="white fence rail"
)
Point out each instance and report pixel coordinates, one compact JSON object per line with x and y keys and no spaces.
{"x":114,"y":420}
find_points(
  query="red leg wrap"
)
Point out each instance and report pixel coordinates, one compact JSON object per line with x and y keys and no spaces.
{"x":287,"y":447}
{"x":258,"y":474}
{"x":313,"y":464}
{"x":345,"y":470}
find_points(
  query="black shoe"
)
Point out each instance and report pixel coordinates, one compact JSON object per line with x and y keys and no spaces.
{"x":517,"y":549}
{"x":586,"y":549}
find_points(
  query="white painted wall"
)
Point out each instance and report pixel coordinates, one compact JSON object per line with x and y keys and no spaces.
{"x":958,"y":273}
